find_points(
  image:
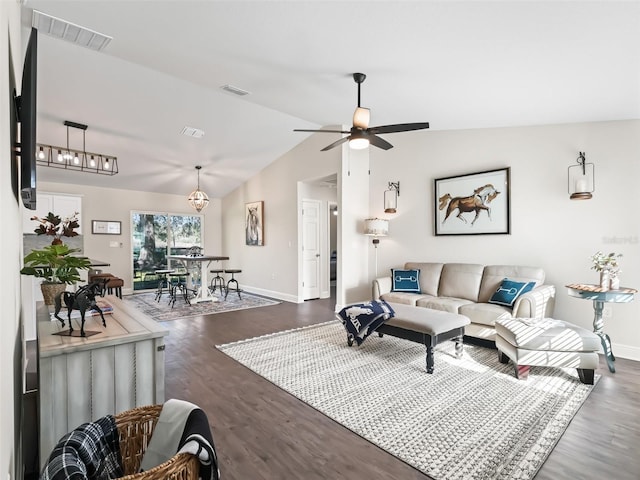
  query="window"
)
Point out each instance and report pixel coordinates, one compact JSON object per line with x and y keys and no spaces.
{"x":156,"y":235}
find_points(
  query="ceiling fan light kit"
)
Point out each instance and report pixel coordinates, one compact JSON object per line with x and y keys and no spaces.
{"x":359,"y":140}
{"x":361,"y":135}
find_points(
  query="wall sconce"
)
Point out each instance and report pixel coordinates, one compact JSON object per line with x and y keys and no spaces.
{"x":391,"y":197}
{"x":581,"y":179}
{"x":376,"y":227}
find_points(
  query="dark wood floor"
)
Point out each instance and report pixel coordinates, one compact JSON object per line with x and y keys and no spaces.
{"x":262,"y":432}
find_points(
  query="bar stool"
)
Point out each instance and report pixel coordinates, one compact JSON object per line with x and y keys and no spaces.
{"x":232,"y":280}
{"x":112,"y":282}
{"x":178,"y":281}
{"x":162,"y":281}
{"x":217,"y":281}
{"x":116,"y":284}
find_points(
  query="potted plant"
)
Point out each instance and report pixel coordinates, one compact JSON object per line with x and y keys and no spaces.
{"x":57,"y":227}
{"x":58,"y":268}
{"x":607,"y":265}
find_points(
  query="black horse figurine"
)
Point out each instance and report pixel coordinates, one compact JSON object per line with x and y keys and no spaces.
{"x":83,"y":299}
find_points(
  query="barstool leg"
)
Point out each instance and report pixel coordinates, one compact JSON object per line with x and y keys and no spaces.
{"x":160,"y":290}
{"x":237,"y":289}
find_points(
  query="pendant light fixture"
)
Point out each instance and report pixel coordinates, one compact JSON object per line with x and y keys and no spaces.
{"x":74,"y":158}
{"x":198,"y":199}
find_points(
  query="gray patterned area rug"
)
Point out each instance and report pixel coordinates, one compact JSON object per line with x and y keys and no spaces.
{"x":161,"y":311}
{"x":470,"y":419}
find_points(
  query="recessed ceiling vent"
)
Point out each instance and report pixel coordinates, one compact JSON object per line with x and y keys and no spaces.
{"x":234,"y":90}
{"x":58,"y":28}
{"x":193,"y":132}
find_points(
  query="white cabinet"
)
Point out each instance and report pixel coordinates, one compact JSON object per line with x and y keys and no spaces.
{"x":83,"y":379}
{"x":60,"y":204}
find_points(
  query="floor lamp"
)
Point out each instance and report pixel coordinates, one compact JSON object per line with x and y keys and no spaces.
{"x":376,"y":227}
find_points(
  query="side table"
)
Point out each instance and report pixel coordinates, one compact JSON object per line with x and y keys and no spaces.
{"x":601,"y":296}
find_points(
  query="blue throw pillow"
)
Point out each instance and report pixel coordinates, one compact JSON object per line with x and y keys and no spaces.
{"x":509,"y":291}
{"x":405,"y":280}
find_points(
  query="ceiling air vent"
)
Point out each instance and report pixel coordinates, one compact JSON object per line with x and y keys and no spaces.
{"x":234,"y":90}
{"x":193,"y":132}
{"x":68,"y":31}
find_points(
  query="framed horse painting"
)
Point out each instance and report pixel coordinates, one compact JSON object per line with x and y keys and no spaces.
{"x":473,"y":204}
{"x":254,"y":226}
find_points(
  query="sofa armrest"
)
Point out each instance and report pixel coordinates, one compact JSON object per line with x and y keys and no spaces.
{"x":381,"y":286}
{"x":538,"y":303}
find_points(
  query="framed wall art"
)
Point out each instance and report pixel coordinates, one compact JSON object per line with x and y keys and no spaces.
{"x":473,"y":204}
{"x":106,"y":227}
{"x":254,"y":226}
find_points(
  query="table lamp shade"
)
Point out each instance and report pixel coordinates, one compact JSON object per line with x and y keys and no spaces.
{"x":376,"y":227}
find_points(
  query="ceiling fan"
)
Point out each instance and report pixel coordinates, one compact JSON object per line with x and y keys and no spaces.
{"x":361,"y":135}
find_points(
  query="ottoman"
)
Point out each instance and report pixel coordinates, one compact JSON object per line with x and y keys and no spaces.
{"x":426,"y":326}
{"x":547,"y":342}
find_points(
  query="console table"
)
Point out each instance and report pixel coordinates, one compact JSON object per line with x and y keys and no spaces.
{"x":84,"y":378}
{"x":600,"y":296}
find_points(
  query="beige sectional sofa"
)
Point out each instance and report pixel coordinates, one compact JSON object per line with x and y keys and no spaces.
{"x":466,"y":289}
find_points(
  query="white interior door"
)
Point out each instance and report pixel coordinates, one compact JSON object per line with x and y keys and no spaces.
{"x":310,"y":249}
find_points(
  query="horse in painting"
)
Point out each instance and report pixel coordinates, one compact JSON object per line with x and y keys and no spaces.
{"x":252,"y":227}
{"x":476,"y":202}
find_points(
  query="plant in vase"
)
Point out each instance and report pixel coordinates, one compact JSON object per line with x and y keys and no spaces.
{"x":57,"y":227}
{"x":607,"y":265}
{"x":58,"y":268}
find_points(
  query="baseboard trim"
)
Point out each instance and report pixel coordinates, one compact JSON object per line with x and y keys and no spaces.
{"x":626,"y":351}
{"x":271,"y":294}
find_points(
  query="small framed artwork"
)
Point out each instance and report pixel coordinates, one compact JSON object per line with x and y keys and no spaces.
{"x":254,"y":226}
{"x":106,"y":227}
{"x":473,"y":204}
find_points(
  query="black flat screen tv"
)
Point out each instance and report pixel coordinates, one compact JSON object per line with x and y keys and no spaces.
{"x":27,"y":117}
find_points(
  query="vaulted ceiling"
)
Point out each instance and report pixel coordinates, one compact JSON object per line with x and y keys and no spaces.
{"x":457,"y":65}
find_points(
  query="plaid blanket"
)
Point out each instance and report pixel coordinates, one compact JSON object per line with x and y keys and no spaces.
{"x":361,"y":319}
{"x":91,"y":451}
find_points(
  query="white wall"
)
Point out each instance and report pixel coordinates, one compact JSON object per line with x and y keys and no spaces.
{"x":10,"y":250}
{"x":272,"y":269}
{"x":117,"y":204}
{"x":548,"y":229}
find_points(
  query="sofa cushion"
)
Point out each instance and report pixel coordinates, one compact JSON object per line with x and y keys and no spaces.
{"x":494,"y":274}
{"x":405,"y":280}
{"x":485,"y":313}
{"x":446,"y":304}
{"x":460,"y":280}
{"x":404,"y":298}
{"x":509,"y":290}
{"x":429,"y":276}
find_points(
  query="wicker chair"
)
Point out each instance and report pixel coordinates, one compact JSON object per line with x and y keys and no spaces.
{"x":135,"y":427}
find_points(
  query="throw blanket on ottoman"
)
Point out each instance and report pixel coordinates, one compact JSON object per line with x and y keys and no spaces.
{"x":361,"y":319}
{"x":91,"y":451}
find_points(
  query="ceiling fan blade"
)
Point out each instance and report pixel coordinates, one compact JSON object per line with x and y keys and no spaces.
{"x":400,"y":127}
{"x":379,"y":142}
{"x":361,"y":118}
{"x":336,"y":143}
{"x":328,"y":131}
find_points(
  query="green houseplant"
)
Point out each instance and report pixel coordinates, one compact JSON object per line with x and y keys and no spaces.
{"x":58,"y":268}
